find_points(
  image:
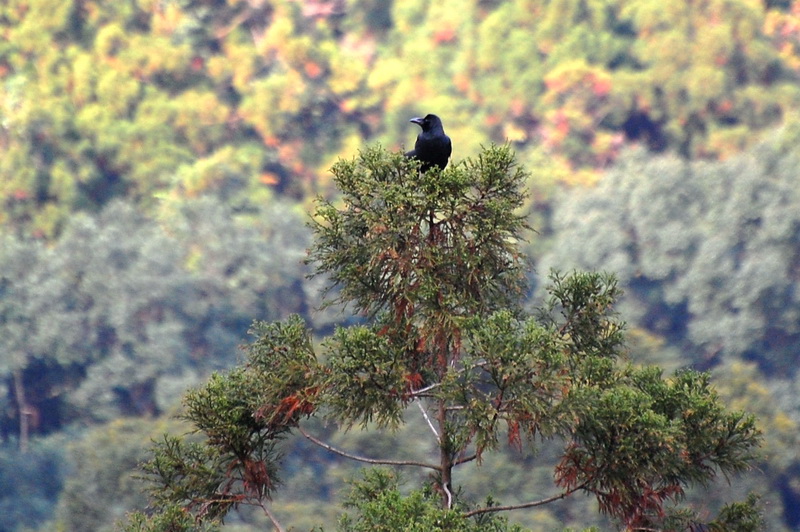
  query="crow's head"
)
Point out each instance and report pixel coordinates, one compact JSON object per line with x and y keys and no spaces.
{"x":428,"y":123}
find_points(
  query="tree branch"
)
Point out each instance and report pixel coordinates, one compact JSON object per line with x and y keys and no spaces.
{"x":531,"y":504}
{"x":421,"y":391}
{"x":278,"y":526}
{"x":465,"y":459}
{"x":428,"y":419}
{"x":364,"y":459}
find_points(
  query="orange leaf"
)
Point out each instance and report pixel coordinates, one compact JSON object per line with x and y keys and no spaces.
{"x":268,"y":178}
{"x":312,"y":69}
{"x":446,"y":34}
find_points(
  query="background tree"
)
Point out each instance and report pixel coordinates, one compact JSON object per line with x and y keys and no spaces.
{"x":666,"y":222}
{"x":102,"y":484}
{"x":29,"y":285}
{"x":32,"y":481}
{"x":241,"y":99}
{"x":121,"y":315}
{"x":432,"y":260}
{"x":147,"y":99}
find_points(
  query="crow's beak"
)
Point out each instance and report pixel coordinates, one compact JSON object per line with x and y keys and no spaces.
{"x":417,"y":120}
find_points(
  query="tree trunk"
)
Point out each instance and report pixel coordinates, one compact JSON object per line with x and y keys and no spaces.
{"x":24,"y":411}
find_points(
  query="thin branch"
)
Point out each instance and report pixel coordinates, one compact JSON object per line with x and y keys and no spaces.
{"x":422,"y":391}
{"x":357,"y":458}
{"x":466,"y":459}
{"x":272,"y":518}
{"x":531,"y":504}
{"x":428,"y":419}
{"x":428,"y":388}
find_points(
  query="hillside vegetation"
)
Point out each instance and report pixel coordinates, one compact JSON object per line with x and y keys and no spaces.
{"x":159,"y":158}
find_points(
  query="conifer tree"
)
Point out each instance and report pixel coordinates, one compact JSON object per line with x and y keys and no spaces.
{"x":432,"y":262}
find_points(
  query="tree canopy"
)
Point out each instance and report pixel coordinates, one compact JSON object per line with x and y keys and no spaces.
{"x":144,"y":99}
{"x":121,"y":316}
{"x":707,"y":251}
{"x":432,"y":260}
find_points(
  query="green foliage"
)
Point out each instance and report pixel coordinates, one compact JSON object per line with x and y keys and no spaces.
{"x":23,"y":299}
{"x":172,"y":519}
{"x":664,"y":434}
{"x":745,"y":516}
{"x":368,"y":378}
{"x":404,"y":247}
{"x":148,"y":100}
{"x":242,"y":415}
{"x":432,"y":259}
{"x":145,"y":100}
{"x":706,"y":254}
{"x":524,"y":362}
{"x":379,"y":506}
{"x":396,"y":224}
{"x":189,"y":474}
{"x":30,"y":483}
{"x":159,"y":103}
{"x":581,"y":308}
{"x":124,"y":313}
{"x":286,"y":372}
{"x":102,"y":484}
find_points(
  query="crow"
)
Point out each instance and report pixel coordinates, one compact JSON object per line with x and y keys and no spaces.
{"x":432,"y":147}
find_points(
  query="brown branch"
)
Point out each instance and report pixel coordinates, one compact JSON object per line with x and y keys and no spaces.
{"x":531,"y":504}
{"x":271,"y":516}
{"x":465,"y":459}
{"x":364,"y":459}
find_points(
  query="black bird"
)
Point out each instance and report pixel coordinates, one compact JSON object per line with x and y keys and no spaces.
{"x":433,"y":147}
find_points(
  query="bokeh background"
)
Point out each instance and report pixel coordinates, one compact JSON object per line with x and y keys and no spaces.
{"x":159,"y":158}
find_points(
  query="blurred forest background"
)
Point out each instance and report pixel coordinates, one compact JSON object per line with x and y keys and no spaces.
{"x":158,"y":160}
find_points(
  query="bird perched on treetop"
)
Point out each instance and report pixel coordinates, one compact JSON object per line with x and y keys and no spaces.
{"x":432,"y":147}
